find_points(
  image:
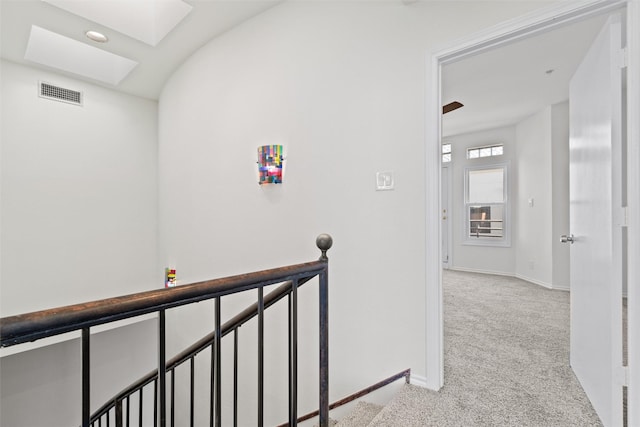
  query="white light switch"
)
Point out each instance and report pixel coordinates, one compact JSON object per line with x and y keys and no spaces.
{"x":384,"y":180}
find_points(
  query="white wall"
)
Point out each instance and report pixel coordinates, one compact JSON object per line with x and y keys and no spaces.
{"x":342,"y":86}
{"x":79,"y":194}
{"x":560,"y":194}
{"x":79,"y":208}
{"x":485,"y":259}
{"x":543,"y":165}
{"x":534,"y":241}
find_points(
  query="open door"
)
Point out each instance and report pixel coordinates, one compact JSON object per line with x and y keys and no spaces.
{"x":596,"y":175}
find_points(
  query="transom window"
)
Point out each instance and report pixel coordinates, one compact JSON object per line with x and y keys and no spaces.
{"x":486,"y":205}
{"x":486,"y":151}
{"x":446,"y":153}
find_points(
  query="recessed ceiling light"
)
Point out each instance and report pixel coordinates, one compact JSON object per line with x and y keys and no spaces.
{"x":96,"y":36}
{"x":145,"y":20}
{"x":57,"y":51}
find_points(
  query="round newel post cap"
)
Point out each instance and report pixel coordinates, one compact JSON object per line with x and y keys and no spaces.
{"x":324,"y":243}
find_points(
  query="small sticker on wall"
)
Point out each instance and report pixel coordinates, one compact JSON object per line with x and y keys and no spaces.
{"x":169,"y":277}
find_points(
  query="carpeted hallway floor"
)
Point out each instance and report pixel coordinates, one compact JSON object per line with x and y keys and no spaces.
{"x":506,"y":361}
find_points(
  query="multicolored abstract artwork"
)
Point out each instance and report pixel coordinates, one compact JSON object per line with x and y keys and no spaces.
{"x":270,"y":164}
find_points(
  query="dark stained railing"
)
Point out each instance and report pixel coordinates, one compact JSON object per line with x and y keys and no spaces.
{"x":32,"y":326}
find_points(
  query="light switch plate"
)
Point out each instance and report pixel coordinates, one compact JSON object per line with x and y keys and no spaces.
{"x":384,"y":181}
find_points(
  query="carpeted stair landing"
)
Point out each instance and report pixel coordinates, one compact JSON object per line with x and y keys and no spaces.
{"x":418,"y":407}
{"x":506,"y":363}
{"x":363,"y":414}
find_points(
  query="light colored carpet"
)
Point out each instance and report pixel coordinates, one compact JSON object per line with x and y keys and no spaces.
{"x":361,"y":415}
{"x":506,"y":361}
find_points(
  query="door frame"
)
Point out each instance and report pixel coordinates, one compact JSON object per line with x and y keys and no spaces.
{"x":528,"y":25}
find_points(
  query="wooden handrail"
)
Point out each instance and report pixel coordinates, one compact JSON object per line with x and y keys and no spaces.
{"x":41,"y":324}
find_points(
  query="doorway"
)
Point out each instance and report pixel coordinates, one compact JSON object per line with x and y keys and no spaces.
{"x":544,"y":21}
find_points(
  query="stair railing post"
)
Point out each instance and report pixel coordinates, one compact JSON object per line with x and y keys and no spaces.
{"x":324,"y":242}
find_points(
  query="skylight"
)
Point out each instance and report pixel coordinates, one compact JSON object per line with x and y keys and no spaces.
{"x":57,"y":51}
{"x":146,"y":20}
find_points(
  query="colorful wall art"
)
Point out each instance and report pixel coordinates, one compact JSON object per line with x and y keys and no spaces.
{"x":169,"y":277}
{"x":270,"y":164}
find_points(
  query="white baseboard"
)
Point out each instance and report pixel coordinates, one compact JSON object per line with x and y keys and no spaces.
{"x":534,"y":281}
{"x":418,"y":381}
{"x":517,"y":276}
{"x":561,"y":288}
{"x":475,"y":270}
{"x":541,"y":283}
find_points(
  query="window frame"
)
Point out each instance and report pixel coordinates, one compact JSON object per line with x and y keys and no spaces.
{"x":505,"y":240}
{"x":479,"y":149}
{"x":449,"y":153}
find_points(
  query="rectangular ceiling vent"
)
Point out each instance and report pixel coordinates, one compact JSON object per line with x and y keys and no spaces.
{"x":58,"y":93}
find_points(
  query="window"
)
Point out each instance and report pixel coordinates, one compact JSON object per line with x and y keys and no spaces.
{"x":486,"y":205}
{"x":446,"y":153}
{"x":486,"y":151}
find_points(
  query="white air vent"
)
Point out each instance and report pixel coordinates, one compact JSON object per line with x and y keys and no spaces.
{"x":58,"y":93}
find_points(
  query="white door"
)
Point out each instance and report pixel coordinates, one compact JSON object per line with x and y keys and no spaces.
{"x":595,"y":211}
{"x":446,"y":215}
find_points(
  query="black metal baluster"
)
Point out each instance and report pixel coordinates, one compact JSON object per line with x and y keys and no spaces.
{"x":218,"y":347}
{"x":235,"y":377}
{"x":118,"y":413}
{"x":260,"y":357}
{"x":162,"y":370}
{"x":293,"y":353}
{"x":173,"y":396}
{"x":212,"y":385}
{"x":290,"y":343}
{"x":140,"y":410}
{"x":155,"y":402}
{"x":192,"y":392}
{"x":86,"y":371}
{"x":128,"y":410}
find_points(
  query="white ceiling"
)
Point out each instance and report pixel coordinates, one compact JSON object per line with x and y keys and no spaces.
{"x":498,"y":88}
{"x":505,"y":85}
{"x":207,"y":19}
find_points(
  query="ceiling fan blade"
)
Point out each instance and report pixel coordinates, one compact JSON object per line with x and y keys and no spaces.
{"x":451,"y":106}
